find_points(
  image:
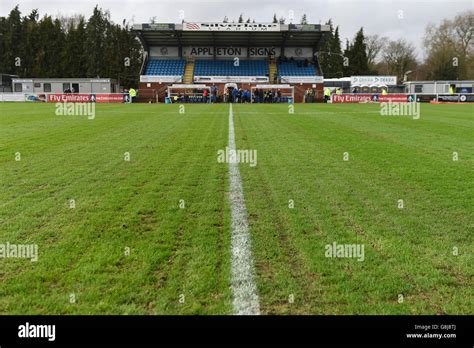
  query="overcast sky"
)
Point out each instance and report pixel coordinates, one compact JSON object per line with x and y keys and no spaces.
{"x":391,"y":18}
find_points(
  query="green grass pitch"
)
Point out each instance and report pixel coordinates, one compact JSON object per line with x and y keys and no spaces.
{"x":152,"y":235}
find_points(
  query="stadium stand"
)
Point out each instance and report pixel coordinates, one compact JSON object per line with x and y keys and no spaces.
{"x":295,"y":68}
{"x":165,"y":67}
{"x":227,"y":68}
{"x":269,"y":54}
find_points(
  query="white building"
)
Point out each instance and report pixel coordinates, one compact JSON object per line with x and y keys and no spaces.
{"x":59,"y":85}
{"x":438,"y":87}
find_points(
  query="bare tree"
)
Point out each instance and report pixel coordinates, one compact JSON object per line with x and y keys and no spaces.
{"x":398,"y":57}
{"x":450,"y":47}
{"x":464,"y":28}
{"x":374,"y":45}
{"x":69,"y":22}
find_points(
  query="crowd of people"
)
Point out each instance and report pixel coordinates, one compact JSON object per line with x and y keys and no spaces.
{"x":236,"y":95}
{"x":328,"y":92}
{"x":309,"y":95}
{"x":232,"y":95}
{"x":241,"y":95}
{"x":299,"y":62}
{"x":268,"y":96}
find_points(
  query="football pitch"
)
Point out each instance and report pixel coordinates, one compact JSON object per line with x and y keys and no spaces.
{"x":130,"y":211}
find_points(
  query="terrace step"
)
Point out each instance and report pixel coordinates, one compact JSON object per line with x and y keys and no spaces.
{"x":189,"y":72}
{"x":272,"y":70}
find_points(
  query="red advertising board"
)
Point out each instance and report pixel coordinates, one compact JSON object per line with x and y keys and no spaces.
{"x":108,"y":98}
{"x":394,"y":98}
{"x":363,"y":98}
{"x":69,"y":98}
{"x":86,"y":98}
{"x":351,"y":98}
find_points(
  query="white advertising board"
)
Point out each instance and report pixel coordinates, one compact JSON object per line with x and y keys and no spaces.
{"x":373,"y":81}
{"x":163,"y":51}
{"x":160,"y":79}
{"x":272,"y":86}
{"x":202,"y":26}
{"x":299,"y":52}
{"x":302,"y":79}
{"x":230,"y":52}
{"x":226,"y":79}
{"x":12,"y":97}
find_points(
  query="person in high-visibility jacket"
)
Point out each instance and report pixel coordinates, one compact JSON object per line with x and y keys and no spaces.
{"x":384,"y":91}
{"x":339,"y":91}
{"x":133,"y":94}
{"x":451,"y":89}
{"x":327,"y":95}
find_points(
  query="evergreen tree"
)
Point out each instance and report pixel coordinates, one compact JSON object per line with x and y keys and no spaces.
{"x":30,"y":42}
{"x":95,"y":43}
{"x":347,"y":54}
{"x":69,"y":47}
{"x":111,"y":52}
{"x":131,"y":47}
{"x":324,"y":56}
{"x":13,"y":45}
{"x":3,"y":30}
{"x":337,"y":63}
{"x":356,"y":52}
{"x":50,"y":49}
{"x":74,"y":59}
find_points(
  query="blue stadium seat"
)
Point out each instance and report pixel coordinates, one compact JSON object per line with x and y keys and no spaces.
{"x":227,"y":68}
{"x":295,"y":68}
{"x":165,"y":67}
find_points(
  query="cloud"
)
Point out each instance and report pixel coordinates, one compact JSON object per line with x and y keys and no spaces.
{"x":392,"y":18}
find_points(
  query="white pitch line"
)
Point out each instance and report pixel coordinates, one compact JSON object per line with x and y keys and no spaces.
{"x":244,"y":290}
